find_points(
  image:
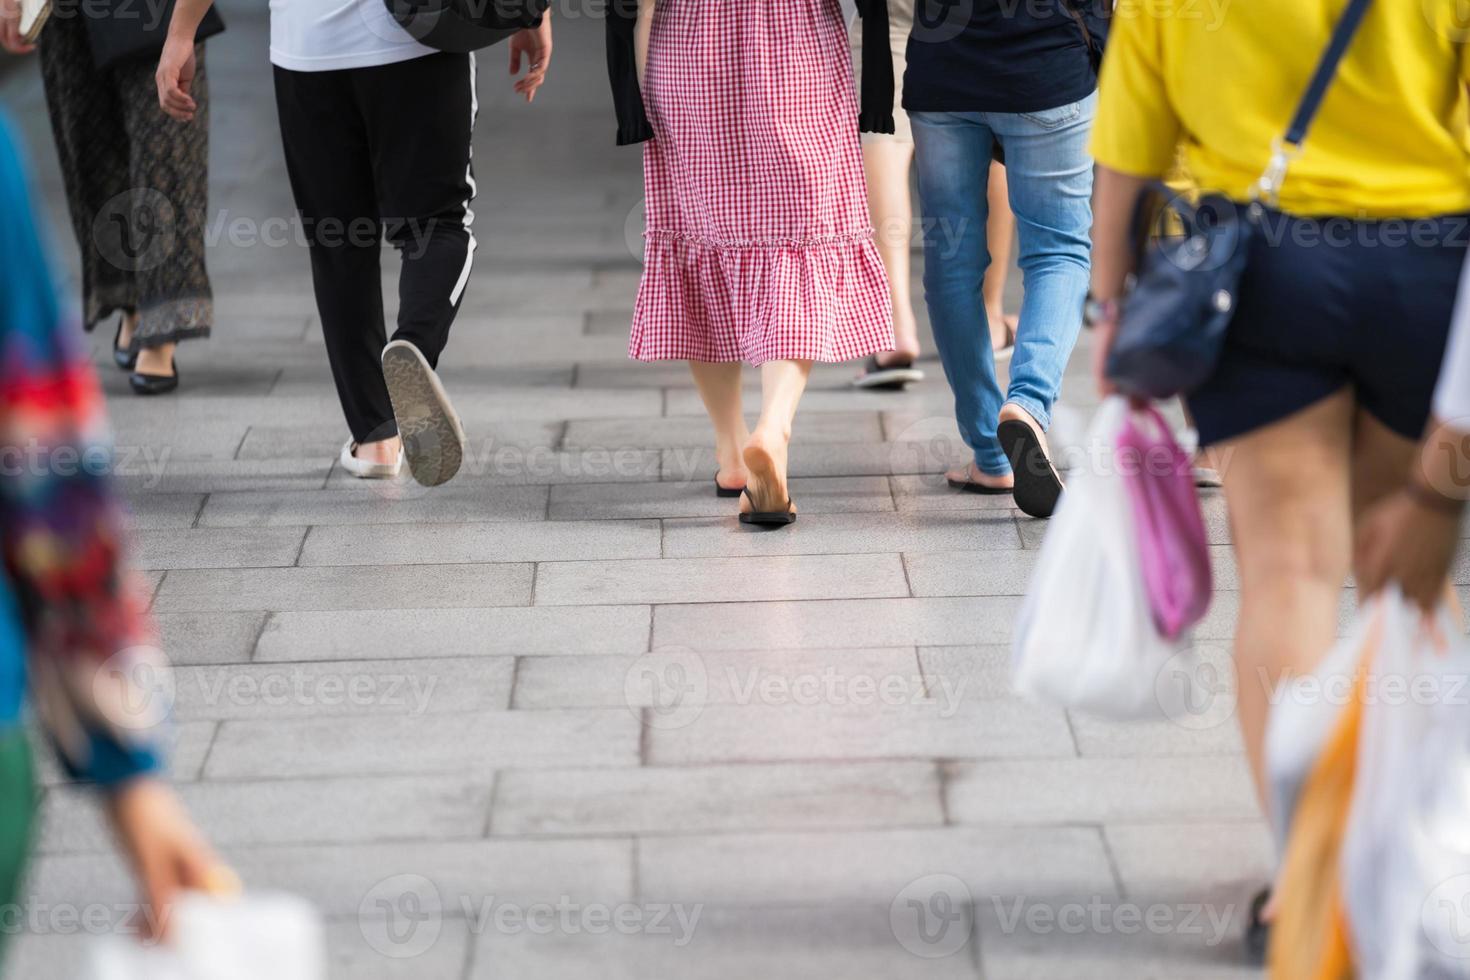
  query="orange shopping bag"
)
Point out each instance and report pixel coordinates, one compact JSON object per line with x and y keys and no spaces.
{"x":1309,"y":938}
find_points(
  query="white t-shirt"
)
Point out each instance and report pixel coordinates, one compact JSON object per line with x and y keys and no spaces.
{"x":326,"y":35}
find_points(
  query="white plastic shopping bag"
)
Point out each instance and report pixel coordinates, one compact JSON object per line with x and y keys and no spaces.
{"x":1304,"y":712}
{"x":1406,"y":855}
{"x":253,"y":937}
{"x":1085,"y":637}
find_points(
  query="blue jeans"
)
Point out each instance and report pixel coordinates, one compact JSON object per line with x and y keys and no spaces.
{"x":1050,"y":177}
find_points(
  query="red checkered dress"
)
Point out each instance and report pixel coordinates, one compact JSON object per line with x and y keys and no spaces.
{"x":758,"y":244}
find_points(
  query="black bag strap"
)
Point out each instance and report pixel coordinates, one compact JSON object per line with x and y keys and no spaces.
{"x":1267,"y":188}
{"x":1094,"y":49}
{"x":1342,"y":38}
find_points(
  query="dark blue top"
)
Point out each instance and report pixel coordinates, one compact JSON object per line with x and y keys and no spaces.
{"x":1003,"y":55}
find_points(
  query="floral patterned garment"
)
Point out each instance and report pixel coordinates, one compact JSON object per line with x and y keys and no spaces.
{"x":72,"y":626}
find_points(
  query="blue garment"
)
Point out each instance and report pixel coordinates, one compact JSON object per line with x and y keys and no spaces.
{"x":1050,"y":176}
{"x":1331,"y":302}
{"x":1003,"y":55}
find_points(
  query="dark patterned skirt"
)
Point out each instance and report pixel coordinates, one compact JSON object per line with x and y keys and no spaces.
{"x":137,"y":187}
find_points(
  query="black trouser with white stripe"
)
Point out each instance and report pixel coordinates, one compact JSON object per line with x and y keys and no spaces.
{"x":377,"y":153}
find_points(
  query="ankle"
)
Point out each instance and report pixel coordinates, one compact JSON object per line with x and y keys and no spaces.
{"x":156,"y":360}
{"x":382,"y":451}
{"x":768,"y":434}
{"x":128,"y":327}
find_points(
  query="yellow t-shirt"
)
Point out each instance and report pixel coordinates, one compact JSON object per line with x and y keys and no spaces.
{"x":1220,"y":80}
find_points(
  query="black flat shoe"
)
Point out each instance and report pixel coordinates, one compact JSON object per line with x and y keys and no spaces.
{"x":767,"y":518}
{"x":154,"y":384}
{"x":125,"y":360}
{"x":727,"y":491}
{"x":1038,"y":486}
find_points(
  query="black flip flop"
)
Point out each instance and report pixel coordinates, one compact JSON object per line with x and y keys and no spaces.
{"x":1257,"y":931}
{"x":887,"y":377}
{"x":1038,"y":487}
{"x":726,"y":491}
{"x":767,"y":518}
{"x":970,"y":486}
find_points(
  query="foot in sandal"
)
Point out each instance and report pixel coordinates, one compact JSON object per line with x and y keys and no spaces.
{"x":1038,"y":485}
{"x":971,"y":479}
{"x":767,"y":500}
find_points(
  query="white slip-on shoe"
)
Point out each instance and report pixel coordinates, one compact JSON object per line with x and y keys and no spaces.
{"x":433,"y":438}
{"x":366,"y":470}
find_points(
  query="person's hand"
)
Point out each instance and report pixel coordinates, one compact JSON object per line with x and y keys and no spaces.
{"x":534,"y":45}
{"x":166,"y":850}
{"x":1404,"y":540}
{"x":175,"y":77}
{"x":10,"y":38}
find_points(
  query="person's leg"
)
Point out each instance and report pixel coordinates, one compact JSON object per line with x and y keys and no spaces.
{"x":169,"y":160}
{"x":1289,"y":492}
{"x":952,"y":152}
{"x":1000,"y":230}
{"x":886,"y":164}
{"x":420,"y":115}
{"x":719,"y":388}
{"x":1050,"y":181}
{"x":326,"y":151}
{"x":766,"y":451}
{"x":92,"y":147}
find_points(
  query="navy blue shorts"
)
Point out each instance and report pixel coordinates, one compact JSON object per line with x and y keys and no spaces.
{"x":1331,"y":302}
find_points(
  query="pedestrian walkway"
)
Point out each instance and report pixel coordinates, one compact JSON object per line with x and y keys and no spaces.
{"x":564,"y":718}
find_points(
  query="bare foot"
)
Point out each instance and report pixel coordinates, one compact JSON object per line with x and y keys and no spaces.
{"x":765,"y":459}
{"x":972,"y":474}
{"x":383,"y":451}
{"x":156,"y":361}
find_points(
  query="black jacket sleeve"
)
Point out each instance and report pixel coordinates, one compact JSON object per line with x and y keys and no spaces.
{"x":876,"y":113}
{"x":622,"y":72}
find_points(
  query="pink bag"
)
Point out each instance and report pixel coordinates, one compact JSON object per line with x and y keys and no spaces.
{"x":1159,"y":479}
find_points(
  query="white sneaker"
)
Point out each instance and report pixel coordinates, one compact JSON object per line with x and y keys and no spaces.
{"x":366,"y":470}
{"x":433,"y":438}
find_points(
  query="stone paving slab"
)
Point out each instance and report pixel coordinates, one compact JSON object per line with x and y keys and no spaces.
{"x":835,"y":623}
{"x":819,"y":869}
{"x":724,"y":677}
{"x":663,"y":581}
{"x":383,"y":745}
{"x":711,"y":799}
{"x":373,"y":634}
{"x":358,"y":587}
{"x":436,"y":544}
